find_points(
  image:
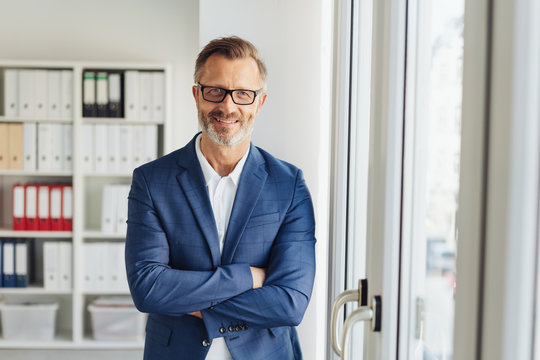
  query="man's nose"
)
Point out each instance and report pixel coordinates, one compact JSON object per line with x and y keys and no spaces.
{"x":228,"y":104}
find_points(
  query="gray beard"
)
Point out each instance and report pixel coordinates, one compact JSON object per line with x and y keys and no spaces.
{"x":222,"y":138}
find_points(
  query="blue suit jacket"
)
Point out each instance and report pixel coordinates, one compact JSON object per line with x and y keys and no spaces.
{"x":174,"y":265}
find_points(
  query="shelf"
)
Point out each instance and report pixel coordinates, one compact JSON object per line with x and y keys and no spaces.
{"x":107,"y":175}
{"x":118,"y":121}
{"x":100,"y":235}
{"x":73,"y":327}
{"x":33,"y":291}
{"x":89,"y":343}
{"x":106,"y":292}
{"x":36,"y":173}
{"x":61,"y":341}
{"x":34,"y":120}
{"x":5,"y":233}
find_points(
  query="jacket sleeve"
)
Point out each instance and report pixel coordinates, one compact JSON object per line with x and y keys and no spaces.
{"x":285,"y":295}
{"x":154,"y":285}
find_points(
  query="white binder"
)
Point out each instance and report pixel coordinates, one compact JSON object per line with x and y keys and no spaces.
{"x":100,"y":148}
{"x":125,"y":153}
{"x":67,"y":135}
{"x":67,"y":206}
{"x":64,"y":265}
{"x":137,"y":136}
{"x":145,"y":96}
{"x":108,"y":209}
{"x":158,"y":96}
{"x":89,"y":279}
{"x":116,"y":279}
{"x":43,"y":206}
{"x":31,"y":204}
{"x":54,"y":94}
{"x":51,"y":265}
{"x":95,"y":255}
{"x":99,"y":267}
{"x":27,"y":103}
{"x":21,"y":264}
{"x":66,"y":98}
{"x":88,"y":148}
{"x":150,"y":143}
{"x":29,"y":146}
{"x":113,"y":148}
{"x":45,"y":151}
{"x":11,"y":93}
{"x":40,"y":93}
{"x":8,"y":256}
{"x":57,"y":147}
{"x":131,"y":95}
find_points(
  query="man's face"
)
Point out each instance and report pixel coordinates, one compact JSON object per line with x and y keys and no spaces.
{"x":227,"y":123}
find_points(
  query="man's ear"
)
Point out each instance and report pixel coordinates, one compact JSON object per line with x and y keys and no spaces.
{"x":194,"y":90}
{"x":262,"y":99}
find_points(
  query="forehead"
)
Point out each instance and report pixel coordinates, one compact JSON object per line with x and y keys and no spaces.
{"x":230,"y":73}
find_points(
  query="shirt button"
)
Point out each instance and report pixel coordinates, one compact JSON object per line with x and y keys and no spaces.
{"x":222,"y":330}
{"x":206,"y":343}
{"x":231,"y":328}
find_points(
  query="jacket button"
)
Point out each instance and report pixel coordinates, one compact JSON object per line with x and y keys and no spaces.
{"x":222,"y":330}
{"x":244,"y":327}
{"x":206,"y":343}
{"x":211,"y":308}
{"x":237,"y":328}
{"x":231,"y":328}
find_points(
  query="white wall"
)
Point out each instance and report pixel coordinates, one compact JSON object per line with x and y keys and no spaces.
{"x":102,"y":30}
{"x":294,"y":38}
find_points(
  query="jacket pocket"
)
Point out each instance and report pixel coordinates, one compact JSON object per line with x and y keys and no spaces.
{"x":263,"y":219}
{"x":277,"y":331}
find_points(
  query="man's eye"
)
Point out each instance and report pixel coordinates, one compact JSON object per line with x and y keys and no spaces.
{"x":215,"y":91}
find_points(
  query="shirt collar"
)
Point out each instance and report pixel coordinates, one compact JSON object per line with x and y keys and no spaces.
{"x":208,"y":171}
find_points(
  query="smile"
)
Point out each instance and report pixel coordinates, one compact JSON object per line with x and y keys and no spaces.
{"x":226,"y":121}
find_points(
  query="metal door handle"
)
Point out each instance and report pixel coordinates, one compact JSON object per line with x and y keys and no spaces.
{"x":359,"y":295}
{"x":363,"y":313}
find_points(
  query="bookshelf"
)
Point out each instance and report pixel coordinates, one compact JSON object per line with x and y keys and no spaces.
{"x":73,"y":328}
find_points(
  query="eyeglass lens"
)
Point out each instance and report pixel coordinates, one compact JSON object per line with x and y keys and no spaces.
{"x":241,"y":97}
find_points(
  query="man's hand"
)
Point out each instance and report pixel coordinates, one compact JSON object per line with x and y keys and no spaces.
{"x":258,"y":275}
{"x":196,"y":314}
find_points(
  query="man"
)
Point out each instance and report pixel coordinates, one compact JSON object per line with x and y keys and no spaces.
{"x":220,"y":241}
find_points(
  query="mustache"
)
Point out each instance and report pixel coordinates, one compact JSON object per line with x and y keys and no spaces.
{"x":221,"y":114}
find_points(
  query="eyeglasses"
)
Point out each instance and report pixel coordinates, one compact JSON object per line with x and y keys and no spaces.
{"x":238,"y":96}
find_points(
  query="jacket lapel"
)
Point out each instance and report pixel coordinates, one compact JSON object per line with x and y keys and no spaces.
{"x":191,"y":180}
{"x":250,"y":186}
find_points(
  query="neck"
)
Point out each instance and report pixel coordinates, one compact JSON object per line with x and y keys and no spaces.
{"x":223,"y":158}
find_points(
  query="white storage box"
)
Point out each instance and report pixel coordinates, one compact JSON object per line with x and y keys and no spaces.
{"x":116,"y":319}
{"x":28,"y":321}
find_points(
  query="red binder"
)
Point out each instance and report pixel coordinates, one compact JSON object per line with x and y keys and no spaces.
{"x":18,"y":205}
{"x":67,"y":208}
{"x":55,"y":198}
{"x":44,"y":208}
{"x":31,"y":206}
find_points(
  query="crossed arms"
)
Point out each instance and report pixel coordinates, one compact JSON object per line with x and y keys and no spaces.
{"x":233,"y":293}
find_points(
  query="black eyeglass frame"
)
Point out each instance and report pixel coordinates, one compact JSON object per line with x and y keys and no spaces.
{"x":228,"y":92}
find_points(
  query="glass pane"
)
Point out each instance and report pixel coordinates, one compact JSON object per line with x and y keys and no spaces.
{"x":432,"y":178}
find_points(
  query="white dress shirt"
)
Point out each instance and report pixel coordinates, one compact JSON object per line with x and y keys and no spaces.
{"x":222,"y":191}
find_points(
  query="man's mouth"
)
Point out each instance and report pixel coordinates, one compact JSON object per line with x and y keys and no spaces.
{"x":226,"y":121}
